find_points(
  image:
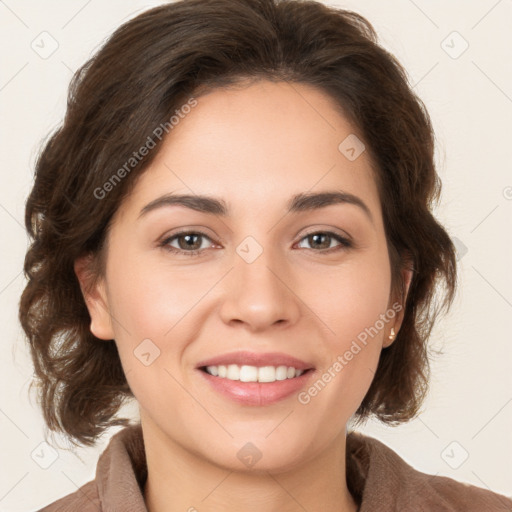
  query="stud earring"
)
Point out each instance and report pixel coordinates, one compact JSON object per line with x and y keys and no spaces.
{"x":392,"y":335}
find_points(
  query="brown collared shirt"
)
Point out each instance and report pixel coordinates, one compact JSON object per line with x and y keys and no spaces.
{"x":377,"y":477}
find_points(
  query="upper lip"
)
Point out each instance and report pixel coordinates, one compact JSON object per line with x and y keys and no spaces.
{"x":256,"y":359}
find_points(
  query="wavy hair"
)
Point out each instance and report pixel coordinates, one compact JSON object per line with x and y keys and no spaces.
{"x":148,"y":68}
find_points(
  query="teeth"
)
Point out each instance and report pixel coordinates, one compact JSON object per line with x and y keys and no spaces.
{"x":254,"y":373}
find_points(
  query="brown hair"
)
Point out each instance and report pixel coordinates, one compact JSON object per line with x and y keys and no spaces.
{"x":147,"y":69}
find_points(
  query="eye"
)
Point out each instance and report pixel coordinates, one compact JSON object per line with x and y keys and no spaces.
{"x":323,"y":239}
{"x":189,"y":242}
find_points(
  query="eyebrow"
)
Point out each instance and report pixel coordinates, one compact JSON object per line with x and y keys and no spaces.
{"x":217,"y":206}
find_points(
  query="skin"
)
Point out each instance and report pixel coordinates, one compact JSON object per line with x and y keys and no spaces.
{"x":254,"y":146}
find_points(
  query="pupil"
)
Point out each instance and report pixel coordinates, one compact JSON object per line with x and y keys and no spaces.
{"x":316,"y":236}
{"x":189,"y":240}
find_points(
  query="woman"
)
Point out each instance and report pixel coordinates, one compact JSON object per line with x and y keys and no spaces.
{"x":233,"y":226}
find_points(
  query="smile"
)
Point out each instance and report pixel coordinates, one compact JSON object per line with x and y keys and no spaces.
{"x":246,"y":373}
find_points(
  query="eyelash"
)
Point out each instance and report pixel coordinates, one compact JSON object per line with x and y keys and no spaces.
{"x":344,"y":242}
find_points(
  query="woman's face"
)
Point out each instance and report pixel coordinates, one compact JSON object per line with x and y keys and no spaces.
{"x":260,"y":280}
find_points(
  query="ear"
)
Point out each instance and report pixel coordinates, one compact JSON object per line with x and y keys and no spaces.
{"x":397,"y":304}
{"x":94,"y":293}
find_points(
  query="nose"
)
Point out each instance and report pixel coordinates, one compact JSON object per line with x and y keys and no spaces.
{"x":259,"y":294}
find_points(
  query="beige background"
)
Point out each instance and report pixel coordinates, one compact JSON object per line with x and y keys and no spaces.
{"x":469,"y":95}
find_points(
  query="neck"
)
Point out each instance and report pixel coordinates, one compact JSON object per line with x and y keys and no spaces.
{"x":179,"y":480}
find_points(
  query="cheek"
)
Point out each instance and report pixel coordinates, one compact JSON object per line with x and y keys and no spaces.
{"x":351,"y":306}
{"x":155,"y":307}
{"x":148,"y":300}
{"x":352,"y":301}
{"x":149,"y":305}
{"x":350,"y":298}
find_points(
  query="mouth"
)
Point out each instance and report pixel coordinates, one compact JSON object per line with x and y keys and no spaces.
{"x":254,"y":379}
{"x":256,"y":393}
{"x":255,"y":359}
{"x":248,"y":373}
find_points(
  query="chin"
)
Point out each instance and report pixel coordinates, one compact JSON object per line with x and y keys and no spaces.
{"x":257,"y":455}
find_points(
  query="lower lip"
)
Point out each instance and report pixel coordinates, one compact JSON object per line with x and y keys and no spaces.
{"x":257,"y":393}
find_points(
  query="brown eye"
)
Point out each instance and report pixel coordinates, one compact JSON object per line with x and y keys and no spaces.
{"x":189,"y":242}
{"x":322,"y":240}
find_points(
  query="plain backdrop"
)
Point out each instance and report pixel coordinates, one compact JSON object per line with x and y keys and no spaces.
{"x":458,"y":56}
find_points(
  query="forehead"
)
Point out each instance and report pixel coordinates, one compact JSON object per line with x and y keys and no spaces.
{"x":257,"y":145}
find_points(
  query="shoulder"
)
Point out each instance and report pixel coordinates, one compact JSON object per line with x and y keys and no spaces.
{"x":385,"y":481}
{"x":85,"y":499}
{"x":449,"y":494}
{"x":120,"y":475}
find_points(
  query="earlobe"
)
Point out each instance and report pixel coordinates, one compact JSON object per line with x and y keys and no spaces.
{"x":390,"y":338}
{"x":95,"y":297}
{"x":395,"y":325}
